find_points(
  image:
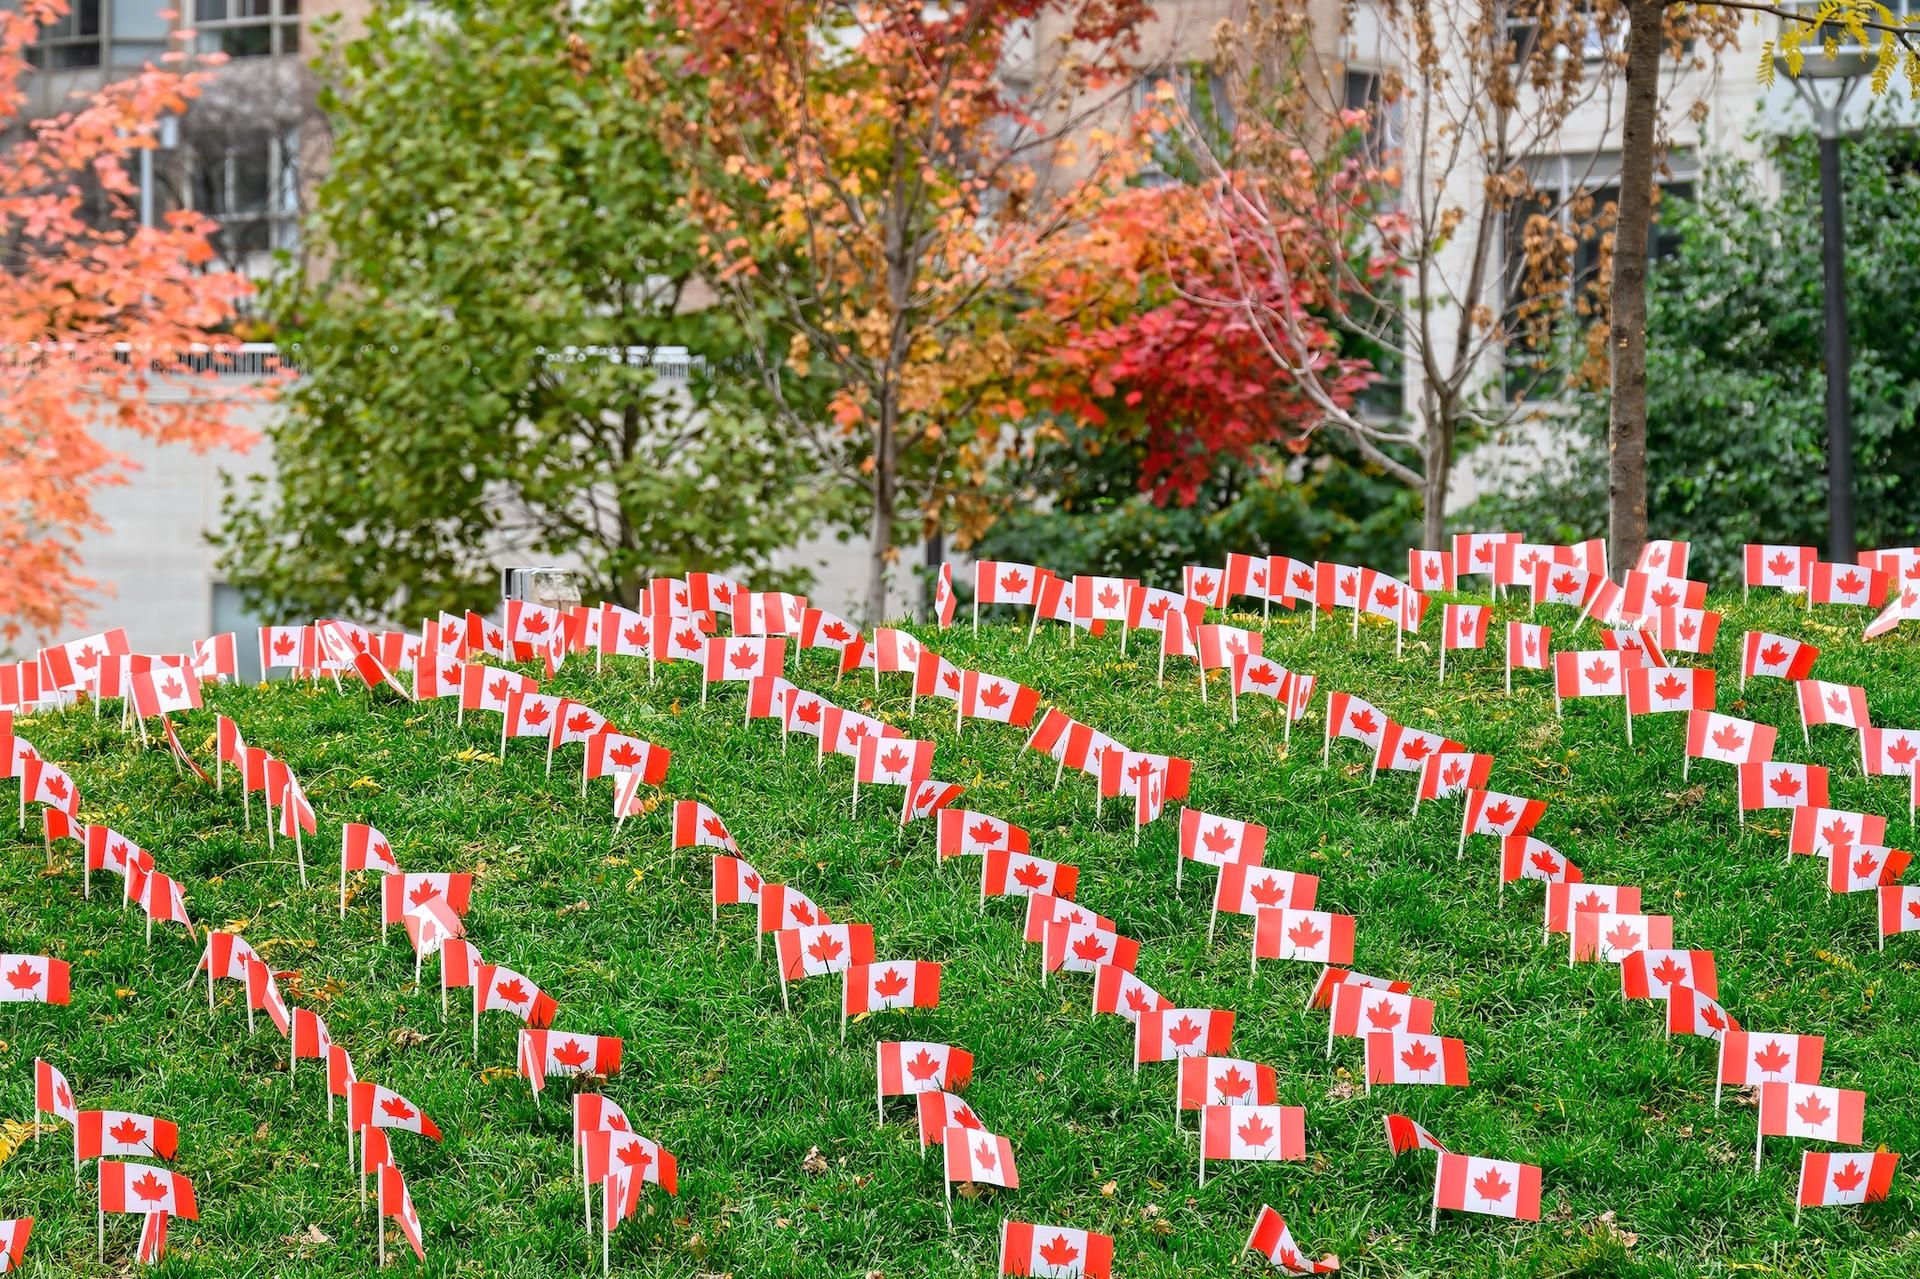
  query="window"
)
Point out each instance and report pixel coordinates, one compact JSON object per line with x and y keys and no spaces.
{"x":248,"y":28}
{"x":248,"y":181}
{"x":1598,"y":34}
{"x":138,"y":31}
{"x":1201,"y":104}
{"x":71,"y":40}
{"x":1362,"y":90}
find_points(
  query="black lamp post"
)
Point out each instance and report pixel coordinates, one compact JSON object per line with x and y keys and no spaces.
{"x":1825,"y":84}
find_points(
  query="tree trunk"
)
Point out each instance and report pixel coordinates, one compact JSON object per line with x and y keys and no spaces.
{"x":1627,"y":413}
{"x":880,"y":531}
{"x":1437,"y":477}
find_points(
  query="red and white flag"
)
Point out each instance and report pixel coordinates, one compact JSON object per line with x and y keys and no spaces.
{"x":1083,"y":947}
{"x":1004,"y":873}
{"x":401,"y":892}
{"x":34,"y":979}
{"x":1165,"y":1034}
{"x":1226,"y":1081}
{"x":1889,"y":752}
{"x":1899,"y":909}
{"x":1404,"y":1135}
{"x":823,"y":948}
{"x":547,"y":1053}
{"x":66,"y":667}
{"x":895,"y":761}
{"x":1652,"y":690}
{"x":1847,"y":584}
{"x":1263,"y":675}
{"x":1610,"y":936}
{"x":1054,"y":1252}
{"x":1332,"y":979}
{"x":743,"y":658}
{"x":1664,"y":556}
{"x":1729,"y":739}
{"x":1749,"y":1058}
{"x":1002,"y":700}
{"x":1045,"y":910}
{"x":1445,"y":774}
{"x":905,"y":1067}
{"x":1264,"y":1133}
{"x":1771,"y":784}
{"x":1476,"y":552}
{"x":42,"y":782}
{"x":1824,"y":703}
{"x":1099,"y":599}
{"x":1217,"y":841}
{"x":1568,"y":901}
{"x":1593,"y":673}
{"x":162,"y":692}
{"x":872,"y":987}
{"x":1465,"y":625}
{"x":617,"y":754}
{"x":1291,"y":581}
{"x":397,"y":1204}
{"x":1174,"y":616}
{"x":1779,"y":656}
{"x":711,"y":593}
{"x":1335,"y":586}
{"x":364,"y":848}
{"x":1845,"y":1177}
{"x":1207,"y":585}
{"x":119,"y":1133}
{"x":1403,"y":1057}
{"x":784,"y":907}
{"x":1821,"y":832}
{"x":1652,"y":974}
{"x":1493,"y":813}
{"x":928,"y":797}
{"x":1247,"y":889}
{"x":697,"y":826}
{"x":1272,"y":1240}
{"x":768,"y":613}
{"x":1865,"y":868}
{"x":735,"y":882}
{"x":1405,"y":749}
{"x":51,"y":1093}
{"x":1903,"y":607}
{"x":1315,"y":936}
{"x":1495,"y":1187}
{"x":575,"y":722}
{"x":938,"y":1111}
{"x":965,"y":833}
{"x":1359,"y":1011}
{"x":977,"y":1155}
{"x":1005,"y":582}
{"x":1350,"y":717}
{"x":498,"y":989}
{"x":1524,"y":857}
{"x":1529,"y":647}
{"x":1682,"y":630}
{"x":1693,"y":1012}
{"x":1812,"y":1112}
{"x":13,"y":1242}
{"x":488,"y":688}
{"x":1430,"y":570}
{"x":1784,"y":568}
{"x":1562,"y":584}
{"x":144,"y":1188}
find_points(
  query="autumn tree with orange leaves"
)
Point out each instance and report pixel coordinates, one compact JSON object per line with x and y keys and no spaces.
{"x":95,"y":312}
{"x":873,"y":180}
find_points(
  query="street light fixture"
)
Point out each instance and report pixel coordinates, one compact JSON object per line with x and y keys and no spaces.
{"x":1824,"y":84}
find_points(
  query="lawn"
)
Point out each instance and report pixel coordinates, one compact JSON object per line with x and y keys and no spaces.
{"x":783,"y":1169}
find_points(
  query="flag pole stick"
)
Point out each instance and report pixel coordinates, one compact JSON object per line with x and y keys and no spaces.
{"x":1758,"y":1137}
{"x":1719,"y":1073}
{"x":1433,"y":1218}
{"x":383,"y":1236}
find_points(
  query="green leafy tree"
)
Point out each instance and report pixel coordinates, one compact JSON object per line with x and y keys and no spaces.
{"x":499,"y":228}
{"x":1736,"y":437}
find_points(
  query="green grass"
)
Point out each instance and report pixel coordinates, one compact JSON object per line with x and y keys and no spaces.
{"x":1641,"y":1176}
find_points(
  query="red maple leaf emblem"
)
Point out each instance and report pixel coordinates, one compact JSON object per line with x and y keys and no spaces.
{"x":1468,"y":621}
{"x":807,"y":712}
{"x":283,"y":645}
{"x":512,"y":991}
{"x":993,"y":697}
{"x":1418,"y":1058}
{"x":1059,"y":1253}
{"x":744,"y":659}
{"x":1533,"y":642}
{"x":581,"y":723}
{"x":1490,"y":1187}
{"x":891,"y":983}
{"x":377,"y":849}
{"x":1433,"y":569}
{"x":894,"y":760}
{"x":965,"y":1118}
{"x":1348,"y":583}
{"x":1687,"y":628}
{"x":923,"y":1065}
{"x":127,"y":1132}
{"x":1785,"y":785}
{"x":1261,"y":674}
{"x":1670,"y":688}
{"x":1901,"y":752}
{"x":1416,"y":749}
{"x":452,"y":673}
{"x":688,"y":640}
{"x":571,"y":1054}
{"x":1304,"y":935}
{"x":1029,"y":875}
{"x":1656,"y":557}
{"x":1667,"y":972}
{"x":1268,"y":891}
{"x":1218,"y":841}
{"x":1383,"y":1015}
{"x":951,"y":679}
{"x":1622,"y":937}
{"x":751,"y":883}
{"x":1849,"y":583}
{"x":1865,"y":865}
{"x":56,"y":786}
{"x":171,"y":688}
{"x":1773,"y":654}
{"x":624,"y":755}
{"x":1781,"y":564}
{"x":836,"y":632}
{"x":1772,"y":1059}
{"x":1183,"y":1032}
{"x":714,"y":827}
{"x":1728,"y":738}
{"x":150,"y":1188}
{"x":1013,"y":582}
{"x":1137,"y":999}
{"x":1711,"y":1015}
{"x":535,"y":624}
{"x":636,"y":1156}
{"x":1811,"y":1112}
{"x":1545,"y":864}
{"x":1108,"y":597}
{"x":423,"y":892}
{"x":636,"y":634}
{"x":1203,"y":585}
{"x":802,"y":913}
{"x":1231,"y":1084}
{"x":1500,"y":814}
{"x":1254,"y":1132}
{"x":1837,"y":833}
{"x":535,"y":713}
{"x":1600,"y":672}
{"x":1453,"y":774}
{"x":1565,"y":583}
{"x":64,"y":1095}
{"x":25,"y":977}
{"x":1158,"y":609}
{"x":397,"y":1109}
{"x":1387,"y":596}
{"x":1090,"y":949}
{"x":1665,"y":596}
{"x":1303,"y":581}
{"x":825,"y":948}
{"x":985,"y":1155}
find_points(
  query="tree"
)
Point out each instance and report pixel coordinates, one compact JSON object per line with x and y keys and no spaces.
{"x":497,"y":258}
{"x":872,"y":178}
{"x":1734,"y":388}
{"x":96,"y":312}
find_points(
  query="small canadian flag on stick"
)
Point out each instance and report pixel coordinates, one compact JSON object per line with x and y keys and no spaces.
{"x":1495,"y":1187}
{"x":1844,"y":1177}
{"x":1054,"y":1252}
{"x":1261,"y":1133}
{"x":1225,"y":1081}
{"x":1272,"y":1240}
{"x":1406,"y":1057}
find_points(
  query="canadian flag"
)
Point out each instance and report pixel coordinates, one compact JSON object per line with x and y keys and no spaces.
{"x":1125,"y":772}
{"x":979,"y":1156}
{"x":926,"y":798}
{"x":1005,"y":582}
{"x":784,"y":907}
{"x":905,"y":1067}
{"x":1465,"y":625}
{"x":621,"y":632}
{"x":709,"y":593}
{"x":364,"y":848}
{"x":1668,"y":557}
{"x":811,"y":951}
{"x":1384,"y":596}
{"x":1899,"y":909}
{"x":1524,"y":857}
{"x":1866,"y":868}
{"x":1569,"y":901}
{"x":1431,"y":570}
{"x":768,"y":613}
{"x":697,"y":826}
{"x":1783,"y":567}
{"x":1447,"y":773}
{"x":1749,"y":1058}
{"x":1528,"y":646}
{"x":1592,"y":673}
{"x":1004,"y":873}
{"x":618,"y":754}
{"x":162,"y":692}
{"x":263,"y":995}
{"x":575,"y":722}
{"x":1683,"y":630}
{"x":1176,"y":618}
{"x":1118,"y":991}
{"x":51,"y":1094}
{"x":804,"y":713}
{"x":1770,"y":784}
{"x":842,"y":731}
{"x":1350,"y":717}
{"x":1082,"y":947}
{"x":1811,"y":1111}
{"x":108,"y":849}
{"x":1164,"y":1034}
{"x":1335,"y":586}
{"x":1846,"y":584}
{"x":1819,"y":832}
{"x":1763,"y":653}
{"x":1904,"y":607}
{"x":1728,"y":738}
{"x":397,"y":1204}
{"x":1693,"y":1012}
{"x":1406,"y":749}
{"x":965,"y":833}
{"x":1644,"y":592}
{"x":1561,"y":584}
{"x":118,"y":1132}
{"x":1003,"y":700}
{"x":1492,"y":813}
{"x":431,"y":925}
{"x":340,"y":1075}
{"x":227,"y":956}
{"x":1226,"y":1081}
{"x":1652,"y":974}
{"x":1248,"y":575}
{"x":1272,"y":1240}
{"x":1889,"y":752}
{"x":1403,"y":1057}
{"x":312,"y":1039}
{"x":680,"y":639}
{"x":899,"y":984}
{"x":938,"y":1111}
{"x":529,"y":623}
{"x":1824,"y":703}
{"x":735,"y":882}
{"x":1054,"y":1252}
{"x":436,"y":675}
{"x":1293,"y":582}
{"x":1262,"y":675}
{"x":19,"y":684}
{"x":1207,"y":585}
{"x":1496,"y":1187}
{"x":1221,"y":646}
{"x":45,"y":783}
{"x":498,"y":989}
{"x":1266,"y":1133}
{"x":1246,"y":888}
{"x":1635,"y":645}
{"x":160,"y":897}
{"x":1099,"y":599}
{"x":1316,"y":936}
{"x":1064,"y":739}
{"x":65,"y":667}
{"x":893,"y":761}
{"x":745,"y":658}
{"x":488,"y":688}
{"x":1404,"y":1135}
{"x":1848,"y":1177}
{"x":144,"y":1188}
{"x":1216,"y":841}
{"x":401,"y":892}
{"x":1359,"y":1011}
{"x":1476,"y":552}
{"x":13,"y":1242}
{"x":34,"y":979}
{"x":1332,"y":979}
{"x":545,"y":1053}
{"x":1652,"y":690}
{"x":1610,"y":936}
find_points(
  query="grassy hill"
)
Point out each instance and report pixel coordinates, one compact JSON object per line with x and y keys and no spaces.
{"x":783,"y":1168}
